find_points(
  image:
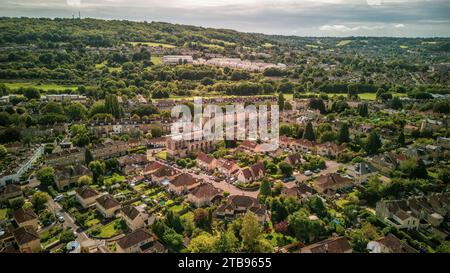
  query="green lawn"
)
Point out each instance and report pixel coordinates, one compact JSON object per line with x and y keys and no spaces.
{"x":344,"y":42}
{"x":114,"y":179}
{"x":156,"y":60}
{"x":363,"y":96}
{"x":163,"y":155}
{"x":154,"y":44}
{"x":404,"y":46}
{"x":110,"y":230}
{"x":44,"y":87}
{"x":3,"y":213}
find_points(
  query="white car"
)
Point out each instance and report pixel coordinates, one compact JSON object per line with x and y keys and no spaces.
{"x":308,"y":173}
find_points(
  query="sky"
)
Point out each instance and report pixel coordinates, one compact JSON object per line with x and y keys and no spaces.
{"x":399,"y":18}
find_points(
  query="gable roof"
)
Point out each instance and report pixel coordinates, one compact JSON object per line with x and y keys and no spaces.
{"x":12,"y":188}
{"x":23,"y":215}
{"x":331,"y":179}
{"x":257,"y":168}
{"x":135,"y":237}
{"x":330,"y":245}
{"x":86,"y":192}
{"x":107,"y":201}
{"x":130,"y":212}
{"x":395,"y":244}
{"x":165,"y":171}
{"x":205,"y":190}
{"x":152,"y":167}
{"x":25,"y":235}
{"x":205,"y":158}
{"x":183,"y":179}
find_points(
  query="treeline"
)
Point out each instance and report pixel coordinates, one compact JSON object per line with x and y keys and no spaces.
{"x":349,"y":87}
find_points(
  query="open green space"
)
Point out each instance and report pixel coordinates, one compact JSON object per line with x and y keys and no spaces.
{"x":154,"y":44}
{"x":41,"y":86}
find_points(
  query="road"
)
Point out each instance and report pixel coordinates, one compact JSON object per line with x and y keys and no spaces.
{"x":223,"y":185}
{"x":332,"y":167}
{"x":82,"y":238}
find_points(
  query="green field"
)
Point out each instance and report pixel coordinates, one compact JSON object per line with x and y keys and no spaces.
{"x":216,"y":41}
{"x":44,"y":87}
{"x":404,"y":46}
{"x":110,"y":230}
{"x":363,"y":96}
{"x":344,"y":42}
{"x":154,"y":44}
{"x":156,"y":60}
{"x":3,"y":214}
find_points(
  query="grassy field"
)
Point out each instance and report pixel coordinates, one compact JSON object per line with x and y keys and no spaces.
{"x":267,"y":45}
{"x":216,"y":41}
{"x":404,"y":46}
{"x":3,"y":214}
{"x":344,"y":42}
{"x":110,"y":230}
{"x":44,"y":87}
{"x":363,"y":96}
{"x":156,"y":60}
{"x":154,"y":44}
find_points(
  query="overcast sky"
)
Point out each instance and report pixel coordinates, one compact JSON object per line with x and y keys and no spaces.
{"x":409,"y":18}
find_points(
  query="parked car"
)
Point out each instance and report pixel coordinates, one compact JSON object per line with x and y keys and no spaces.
{"x":58,"y":198}
{"x":308,"y":173}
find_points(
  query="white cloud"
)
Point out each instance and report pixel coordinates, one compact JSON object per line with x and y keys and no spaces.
{"x":399,"y":26}
{"x":344,"y":28}
{"x":73,"y":2}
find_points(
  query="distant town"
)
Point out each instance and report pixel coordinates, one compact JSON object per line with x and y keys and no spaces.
{"x":89,"y":164}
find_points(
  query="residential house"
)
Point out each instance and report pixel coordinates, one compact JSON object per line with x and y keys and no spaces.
{"x":182,"y":183}
{"x":107,"y":205}
{"x":27,"y":239}
{"x":163,"y":175}
{"x":431,"y":209}
{"x":301,"y":191}
{"x":389,"y":244}
{"x":86,"y":196}
{"x":140,"y":241}
{"x":152,"y":167}
{"x":294,"y":159}
{"x":252,"y":173}
{"x":248,"y":145}
{"x":135,"y":218}
{"x":329,"y":149}
{"x":10,"y":191}
{"x":204,"y":195}
{"x":26,"y":217}
{"x":206,"y":162}
{"x":238,"y":205}
{"x":332,"y":182}
{"x":363,"y":170}
{"x":227,"y":167}
{"x":67,"y":175}
{"x":330,"y":245}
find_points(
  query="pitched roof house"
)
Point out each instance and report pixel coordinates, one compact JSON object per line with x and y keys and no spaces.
{"x":239,"y":204}
{"x":182,"y":183}
{"x":26,"y":217}
{"x":330,"y":183}
{"x":86,"y":196}
{"x":107,"y":205}
{"x":204,"y":194}
{"x":330,"y":245}
{"x":140,"y":241}
{"x":134,"y":218}
{"x":206,"y":162}
{"x":27,"y":239}
{"x":389,"y":244}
